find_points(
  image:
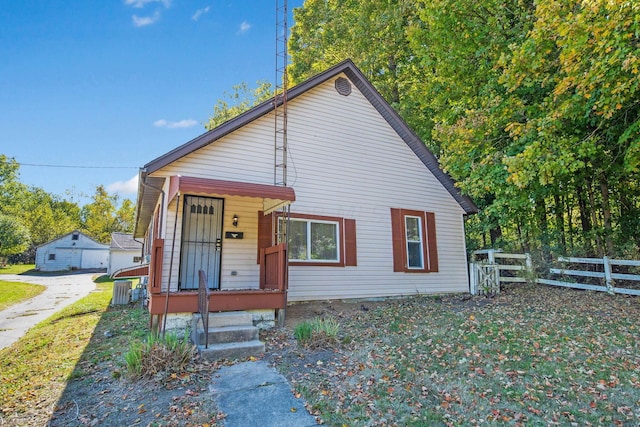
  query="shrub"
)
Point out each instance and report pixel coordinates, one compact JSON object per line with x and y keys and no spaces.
{"x":317,"y":332}
{"x":168,"y":354}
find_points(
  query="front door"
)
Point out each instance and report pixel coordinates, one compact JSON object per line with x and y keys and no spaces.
{"x":201,"y":241}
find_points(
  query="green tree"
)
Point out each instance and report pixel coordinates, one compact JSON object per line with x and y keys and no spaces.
{"x":238,"y":101}
{"x":373,"y":34}
{"x":581,"y":135}
{"x":14,"y":237}
{"x":126,"y":216}
{"x":99,"y":217}
{"x":458,"y":44}
{"x":105,"y":215}
{"x":11,"y":189}
{"x":46,"y":216}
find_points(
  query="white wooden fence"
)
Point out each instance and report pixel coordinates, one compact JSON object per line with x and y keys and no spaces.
{"x":607,"y":275}
{"x":489,"y":268}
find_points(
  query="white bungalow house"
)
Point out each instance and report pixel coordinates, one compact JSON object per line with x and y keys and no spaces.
{"x":124,"y":252}
{"x":371,"y":212}
{"x":72,"y":251}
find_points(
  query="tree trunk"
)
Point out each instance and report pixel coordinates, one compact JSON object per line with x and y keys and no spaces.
{"x":606,"y":215}
{"x":541,"y":217}
{"x":495,"y":233}
{"x":594,"y":220}
{"x":570,"y":230}
{"x":560,"y":221}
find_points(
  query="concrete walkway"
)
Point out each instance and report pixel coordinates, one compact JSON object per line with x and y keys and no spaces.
{"x":61,"y":291}
{"x":253,"y":394}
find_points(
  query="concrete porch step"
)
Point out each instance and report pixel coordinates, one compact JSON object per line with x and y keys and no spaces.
{"x":231,"y":335}
{"x":227,"y":334}
{"x":235,"y":350}
{"x":230,"y":318}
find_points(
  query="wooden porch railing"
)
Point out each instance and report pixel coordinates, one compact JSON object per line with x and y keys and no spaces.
{"x":273,"y":267}
{"x":203,"y":304}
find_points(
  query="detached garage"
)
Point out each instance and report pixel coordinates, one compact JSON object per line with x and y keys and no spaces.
{"x":74,"y":250}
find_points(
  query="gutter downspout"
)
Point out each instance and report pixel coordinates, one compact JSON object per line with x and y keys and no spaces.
{"x":143,"y":177}
{"x":142,"y":181}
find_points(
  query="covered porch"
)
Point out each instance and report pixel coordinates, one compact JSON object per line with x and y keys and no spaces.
{"x":225,"y":250}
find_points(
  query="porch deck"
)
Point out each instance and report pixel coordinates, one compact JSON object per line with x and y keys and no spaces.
{"x":272,"y":293}
{"x":219,"y":300}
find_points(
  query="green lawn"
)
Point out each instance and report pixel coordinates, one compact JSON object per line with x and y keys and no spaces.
{"x":17,"y":269}
{"x":37,"y":367}
{"x":14,"y":292}
{"x":533,"y":355}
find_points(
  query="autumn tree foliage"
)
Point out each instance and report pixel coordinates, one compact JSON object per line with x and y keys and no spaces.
{"x":531,"y":106}
{"x":30,"y":216}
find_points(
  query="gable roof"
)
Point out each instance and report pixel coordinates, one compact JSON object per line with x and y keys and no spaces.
{"x":371,"y":94}
{"x":69,"y":234}
{"x":124,"y":242}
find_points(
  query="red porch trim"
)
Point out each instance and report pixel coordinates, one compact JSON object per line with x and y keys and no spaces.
{"x":155,"y":274}
{"x":231,"y":300}
{"x":273,"y":267}
{"x":188,"y":184}
{"x":129,"y":272}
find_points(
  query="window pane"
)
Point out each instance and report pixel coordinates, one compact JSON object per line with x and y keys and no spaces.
{"x":414,"y":252}
{"x":415,"y":257}
{"x":298,"y":240}
{"x":413,"y":229}
{"x":323,"y":241}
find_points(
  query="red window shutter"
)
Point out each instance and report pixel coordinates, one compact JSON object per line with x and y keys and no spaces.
{"x":264,"y":232}
{"x":432,"y":244}
{"x":350,"y":249}
{"x":397,"y":239}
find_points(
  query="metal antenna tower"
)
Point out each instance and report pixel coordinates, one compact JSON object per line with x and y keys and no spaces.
{"x":280,"y":114}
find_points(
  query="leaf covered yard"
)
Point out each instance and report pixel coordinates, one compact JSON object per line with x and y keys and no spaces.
{"x":532,"y":355}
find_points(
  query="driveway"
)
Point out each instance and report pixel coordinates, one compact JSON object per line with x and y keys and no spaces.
{"x":61,"y":291}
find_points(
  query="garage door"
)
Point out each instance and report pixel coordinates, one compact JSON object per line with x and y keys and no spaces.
{"x":94,"y":259}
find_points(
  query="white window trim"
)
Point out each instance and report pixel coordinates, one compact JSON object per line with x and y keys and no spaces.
{"x":308,"y":221}
{"x":407,"y":241}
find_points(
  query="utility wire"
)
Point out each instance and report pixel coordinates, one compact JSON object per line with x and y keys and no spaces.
{"x":77,"y":166}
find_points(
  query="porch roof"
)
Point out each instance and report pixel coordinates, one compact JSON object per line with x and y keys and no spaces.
{"x":273,"y":196}
{"x":133,"y":271}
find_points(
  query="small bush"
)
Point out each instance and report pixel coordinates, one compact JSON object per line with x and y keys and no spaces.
{"x":303,"y":331}
{"x":317,"y":332}
{"x":156,"y":354}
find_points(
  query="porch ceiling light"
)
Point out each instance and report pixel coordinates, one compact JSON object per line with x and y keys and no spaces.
{"x":235,"y":220}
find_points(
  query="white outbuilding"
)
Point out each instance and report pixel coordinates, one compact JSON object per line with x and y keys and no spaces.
{"x":72,"y":251}
{"x":124,"y":252}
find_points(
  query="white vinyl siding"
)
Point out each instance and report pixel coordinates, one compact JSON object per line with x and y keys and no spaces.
{"x":238,"y":255}
{"x":345,"y":161}
{"x":120,"y":258}
{"x":69,"y":253}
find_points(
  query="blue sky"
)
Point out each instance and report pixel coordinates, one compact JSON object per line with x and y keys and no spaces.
{"x":116,"y":83}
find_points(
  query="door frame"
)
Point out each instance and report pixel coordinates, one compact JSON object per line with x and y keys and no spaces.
{"x":217,"y":275}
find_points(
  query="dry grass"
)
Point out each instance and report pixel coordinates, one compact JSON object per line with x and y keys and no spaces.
{"x":533,"y":355}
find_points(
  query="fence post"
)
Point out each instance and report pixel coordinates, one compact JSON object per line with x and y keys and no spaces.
{"x":473,"y":284}
{"x":608,"y":280}
{"x":528,"y":265}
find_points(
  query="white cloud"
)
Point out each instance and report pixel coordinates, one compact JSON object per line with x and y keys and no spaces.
{"x":124,"y":187}
{"x":139,"y":4}
{"x":186,"y":123}
{"x":200,"y":12}
{"x":244,"y":27}
{"x":142,"y":21}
